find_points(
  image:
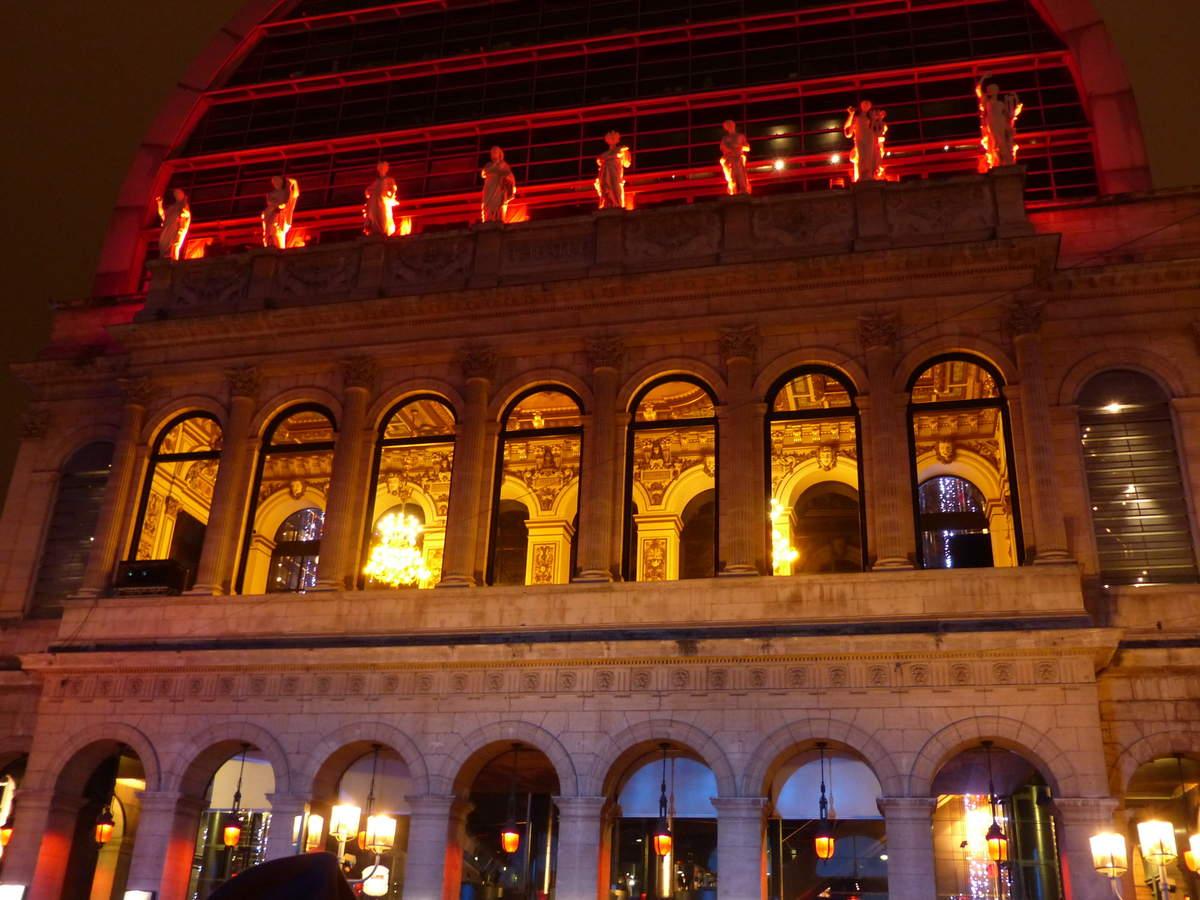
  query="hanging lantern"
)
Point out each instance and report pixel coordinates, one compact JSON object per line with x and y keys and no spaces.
{"x":824,"y":842}
{"x":343,"y":822}
{"x":375,"y":881}
{"x":664,"y":843}
{"x":1191,"y":856}
{"x":231,"y":834}
{"x":997,"y":843}
{"x":6,"y":831}
{"x":312,"y":837}
{"x":380,"y":834}
{"x":510,"y":838}
{"x":1108,"y":854}
{"x":104,"y":826}
{"x":1158,"y":841}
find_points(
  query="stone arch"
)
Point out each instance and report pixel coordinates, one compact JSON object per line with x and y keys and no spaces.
{"x":13,"y":747}
{"x":294,"y":397}
{"x":1162,"y":370}
{"x":653,"y":731}
{"x":191,"y":768}
{"x":793,"y":360}
{"x":1009,"y":734}
{"x":178,"y":406}
{"x":664,"y":368}
{"x":397,"y":393}
{"x":62,"y":447}
{"x":782,"y":743}
{"x":325,"y":761}
{"x":967,"y":345}
{"x":78,"y":754}
{"x":1148,"y":748}
{"x":535,"y":378}
{"x":459,"y":767}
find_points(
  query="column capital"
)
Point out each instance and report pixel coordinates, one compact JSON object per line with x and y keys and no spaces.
{"x":358,"y":372}
{"x":35,"y":423}
{"x":914,"y":808}
{"x":169,"y":801}
{"x":580,"y":807}
{"x":739,"y":342}
{"x":605,"y":351}
{"x":244,"y":381}
{"x":136,"y":390}
{"x":431,"y":805}
{"x":1024,"y":316}
{"x":739,"y":807}
{"x":879,"y":331}
{"x":477,"y":361}
{"x":288,"y":801}
{"x":1085,"y":810}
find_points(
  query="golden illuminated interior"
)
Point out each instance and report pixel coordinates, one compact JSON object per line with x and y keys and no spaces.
{"x":674,"y":480}
{"x":180,"y":492}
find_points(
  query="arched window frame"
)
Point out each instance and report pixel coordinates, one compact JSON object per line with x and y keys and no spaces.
{"x":1001,"y":403}
{"x":851,"y":411}
{"x":269,"y":448}
{"x":157,"y":457}
{"x":505,"y":435}
{"x":382,"y":443}
{"x":628,"y":559}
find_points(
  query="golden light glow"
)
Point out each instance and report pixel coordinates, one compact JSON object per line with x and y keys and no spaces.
{"x":1158,"y":841}
{"x":1109,"y":855}
{"x":104,"y":827}
{"x":375,"y":881}
{"x":381,"y":833}
{"x":232,"y":834}
{"x":404,"y":226}
{"x":510,"y":838}
{"x":396,"y":558}
{"x":343,"y":822}
{"x":663,"y":842}
{"x":783,"y":554}
{"x":6,"y":832}
{"x":825,"y":844}
{"x":997,"y":844}
{"x":1191,"y":856}
{"x":780,"y":165}
{"x":312,"y":838}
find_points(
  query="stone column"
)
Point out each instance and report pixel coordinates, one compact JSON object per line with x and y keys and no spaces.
{"x":112,"y":527}
{"x":1050,"y":532}
{"x":428,"y":824}
{"x":468,"y":481}
{"x":909,"y":824}
{"x":739,"y":847}
{"x":1078,"y":819}
{"x":337,"y":569}
{"x":577,"y":864}
{"x":739,"y":474}
{"x":888,"y":477}
{"x":597,"y":510}
{"x":41,"y":844}
{"x":218,"y":558}
{"x":165,"y":845}
{"x":282,"y":829}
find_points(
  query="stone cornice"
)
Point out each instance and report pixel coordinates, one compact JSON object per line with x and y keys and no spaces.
{"x":1126,"y":278}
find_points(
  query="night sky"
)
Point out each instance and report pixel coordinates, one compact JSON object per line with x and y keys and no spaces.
{"x":84,"y":78}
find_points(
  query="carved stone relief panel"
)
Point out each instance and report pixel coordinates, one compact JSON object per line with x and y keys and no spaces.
{"x":681,"y":233}
{"x":798,"y":222}
{"x":415,"y":262}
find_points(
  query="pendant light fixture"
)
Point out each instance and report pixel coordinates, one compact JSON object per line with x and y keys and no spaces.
{"x":380,"y":835}
{"x":663,"y":841}
{"x":1191,"y":856}
{"x":6,"y":831}
{"x":997,"y":842}
{"x":510,"y":838}
{"x":102,"y":831}
{"x":231,"y":834}
{"x":824,"y":841}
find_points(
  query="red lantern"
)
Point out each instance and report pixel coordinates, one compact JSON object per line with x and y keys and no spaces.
{"x":824,"y":843}
{"x":104,"y":826}
{"x":997,"y":843}
{"x":663,"y":842}
{"x":6,"y":833}
{"x":510,"y":838}
{"x":232,"y":833}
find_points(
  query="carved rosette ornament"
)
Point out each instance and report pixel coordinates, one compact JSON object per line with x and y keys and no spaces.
{"x":358,"y":372}
{"x":739,"y":342}
{"x":879,"y":330}
{"x":1025,"y":317}
{"x":35,"y":423}
{"x":606,"y":351}
{"x":244,"y":381}
{"x":137,"y":390}
{"x":477,"y":361}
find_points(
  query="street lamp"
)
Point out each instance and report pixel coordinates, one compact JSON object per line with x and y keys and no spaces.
{"x":510,"y":837}
{"x":824,"y":842}
{"x":1158,"y":848}
{"x":663,"y":840}
{"x":1109,"y":857}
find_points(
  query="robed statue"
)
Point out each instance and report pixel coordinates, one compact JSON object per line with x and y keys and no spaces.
{"x":381,"y":200}
{"x":610,"y":179}
{"x":176,"y":219}
{"x":499,"y":187}
{"x":998,"y":124}
{"x":734,"y":149}
{"x":867,"y":127}
{"x":278,"y":212}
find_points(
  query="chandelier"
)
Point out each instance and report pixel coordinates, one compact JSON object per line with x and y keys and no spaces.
{"x":783,"y":554}
{"x":396,"y":558}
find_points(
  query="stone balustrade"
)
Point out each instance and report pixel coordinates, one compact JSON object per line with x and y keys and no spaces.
{"x":870,"y":216}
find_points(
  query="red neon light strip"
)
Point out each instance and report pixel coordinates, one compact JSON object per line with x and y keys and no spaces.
{"x":673,"y":103}
{"x":652,"y":37}
{"x":907,"y":159}
{"x":376,"y":13}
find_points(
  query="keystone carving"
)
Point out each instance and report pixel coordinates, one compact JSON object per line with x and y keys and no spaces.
{"x":606,"y":351}
{"x":478,"y":361}
{"x":739,"y":342}
{"x":878,"y":330}
{"x":244,"y":381}
{"x":137,"y":390}
{"x":358,"y":371}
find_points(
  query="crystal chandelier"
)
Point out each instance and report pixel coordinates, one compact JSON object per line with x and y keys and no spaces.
{"x":396,"y":558}
{"x":783,"y":554}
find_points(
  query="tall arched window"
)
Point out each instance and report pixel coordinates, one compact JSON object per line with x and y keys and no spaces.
{"x":238,"y":794}
{"x":961,"y":450}
{"x":414,"y":457}
{"x":1138,"y":500}
{"x":72,"y":526}
{"x":815,"y":479}
{"x":177,"y":494}
{"x":537,"y":477}
{"x":287,"y":504}
{"x":671,"y":524}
